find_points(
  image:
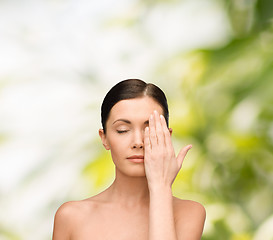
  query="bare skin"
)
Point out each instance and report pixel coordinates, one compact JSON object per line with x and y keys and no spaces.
{"x":139,"y":205}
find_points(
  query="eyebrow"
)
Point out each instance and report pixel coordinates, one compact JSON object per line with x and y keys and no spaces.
{"x":127,"y":121}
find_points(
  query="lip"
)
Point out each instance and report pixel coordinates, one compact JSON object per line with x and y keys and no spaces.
{"x":136,"y":158}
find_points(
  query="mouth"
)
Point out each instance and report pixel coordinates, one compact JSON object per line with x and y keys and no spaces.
{"x":136,"y":158}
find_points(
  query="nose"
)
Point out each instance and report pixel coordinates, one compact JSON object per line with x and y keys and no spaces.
{"x":138,"y":139}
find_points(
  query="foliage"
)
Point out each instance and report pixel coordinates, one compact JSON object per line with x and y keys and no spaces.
{"x":220,"y":100}
{"x":225,"y":109}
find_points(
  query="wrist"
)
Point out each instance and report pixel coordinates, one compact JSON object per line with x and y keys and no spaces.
{"x":160,"y":189}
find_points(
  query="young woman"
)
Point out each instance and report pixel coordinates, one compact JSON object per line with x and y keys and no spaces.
{"x":139,"y":205}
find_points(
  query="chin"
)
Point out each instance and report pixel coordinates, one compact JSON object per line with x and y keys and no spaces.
{"x":137,"y":171}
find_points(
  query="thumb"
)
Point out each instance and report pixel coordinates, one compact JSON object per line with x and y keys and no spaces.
{"x":182,"y":154}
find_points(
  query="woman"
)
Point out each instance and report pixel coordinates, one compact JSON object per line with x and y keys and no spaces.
{"x":139,"y":205}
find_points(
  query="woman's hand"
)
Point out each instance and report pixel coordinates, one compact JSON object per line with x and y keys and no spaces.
{"x":161,"y":164}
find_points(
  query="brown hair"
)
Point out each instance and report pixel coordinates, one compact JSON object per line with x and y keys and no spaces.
{"x":132,"y":88}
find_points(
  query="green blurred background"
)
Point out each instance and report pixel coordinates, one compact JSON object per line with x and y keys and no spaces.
{"x":213,"y":59}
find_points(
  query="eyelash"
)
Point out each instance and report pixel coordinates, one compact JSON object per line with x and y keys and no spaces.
{"x":122,"y":131}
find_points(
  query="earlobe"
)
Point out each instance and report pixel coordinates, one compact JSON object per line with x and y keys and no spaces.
{"x":103,"y":139}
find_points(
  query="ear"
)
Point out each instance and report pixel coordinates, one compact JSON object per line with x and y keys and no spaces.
{"x":103,"y":139}
{"x":171,"y":131}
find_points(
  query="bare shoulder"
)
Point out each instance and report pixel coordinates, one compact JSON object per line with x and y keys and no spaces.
{"x":68,"y":216}
{"x":189,"y":207}
{"x":189,"y":217}
{"x":67,"y":209}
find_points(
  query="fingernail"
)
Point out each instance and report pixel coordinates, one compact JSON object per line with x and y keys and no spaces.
{"x":161,"y":116}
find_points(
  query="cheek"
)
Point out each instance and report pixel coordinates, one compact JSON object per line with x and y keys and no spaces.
{"x":118,"y":150}
{"x":119,"y":143}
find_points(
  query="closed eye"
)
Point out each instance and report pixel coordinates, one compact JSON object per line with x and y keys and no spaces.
{"x":122,"y":131}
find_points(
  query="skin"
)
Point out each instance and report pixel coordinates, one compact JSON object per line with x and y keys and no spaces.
{"x":139,"y":205}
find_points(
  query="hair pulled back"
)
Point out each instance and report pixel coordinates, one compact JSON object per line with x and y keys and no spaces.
{"x":128,"y":89}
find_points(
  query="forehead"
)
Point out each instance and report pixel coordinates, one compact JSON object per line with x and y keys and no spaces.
{"x":136,"y":107}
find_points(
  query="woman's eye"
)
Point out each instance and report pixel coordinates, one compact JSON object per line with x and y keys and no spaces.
{"x":122,"y":131}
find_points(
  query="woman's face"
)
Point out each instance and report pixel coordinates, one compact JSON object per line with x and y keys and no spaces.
{"x":125,"y":133}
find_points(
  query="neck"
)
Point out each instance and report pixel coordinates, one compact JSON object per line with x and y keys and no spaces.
{"x":129,"y":191}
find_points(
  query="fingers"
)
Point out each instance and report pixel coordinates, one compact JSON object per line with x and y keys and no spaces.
{"x":147,"y":144}
{"x":166,"y":132}
{"x":157,"y":136}
{"x":153,"y":137}
{"x":168,"y":141}
{"x":159,"y":129}
{"x":182,"y":154}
